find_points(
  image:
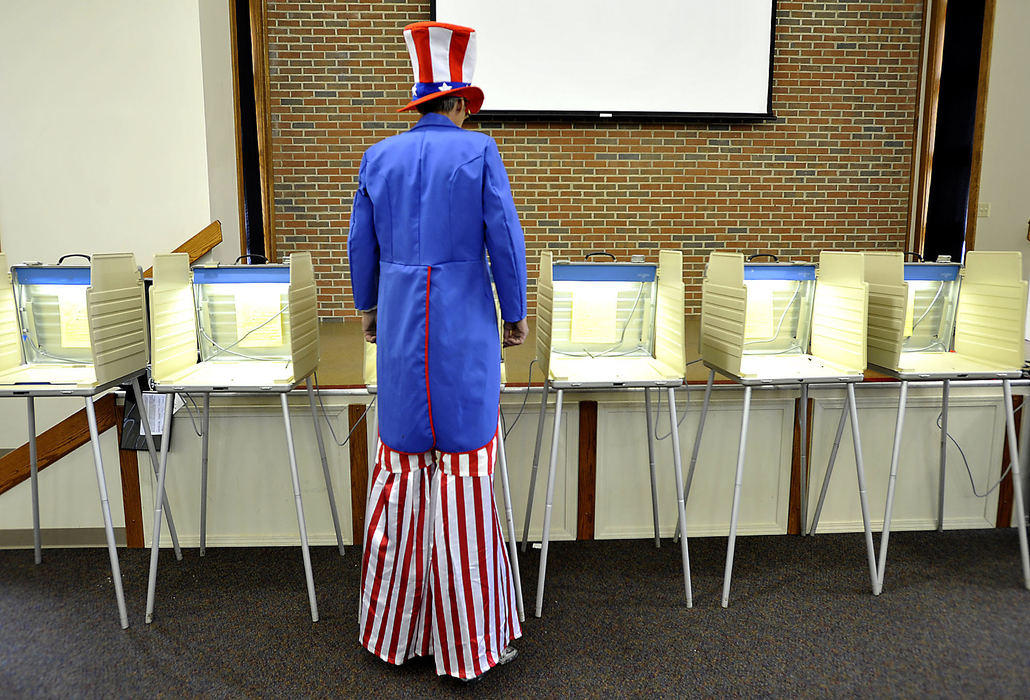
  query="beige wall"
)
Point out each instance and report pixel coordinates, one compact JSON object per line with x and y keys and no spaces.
{"x":220,"y":119}
{"x":1005,"y":175}
{"x":105,"y":140}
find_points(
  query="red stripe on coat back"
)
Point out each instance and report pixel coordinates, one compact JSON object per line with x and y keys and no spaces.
{"x":459,"y":43}
{"x":429,"y":398}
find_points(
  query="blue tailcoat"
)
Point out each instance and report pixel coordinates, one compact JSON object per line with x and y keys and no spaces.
{"x":431,"y":202}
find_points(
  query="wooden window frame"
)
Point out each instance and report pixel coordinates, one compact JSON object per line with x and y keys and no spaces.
{"x":258,"y":28}
{"x":923,"y":149}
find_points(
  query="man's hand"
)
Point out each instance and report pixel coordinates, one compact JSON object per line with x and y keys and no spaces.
{"x":368,"y":325}
{"x":515,"y":333}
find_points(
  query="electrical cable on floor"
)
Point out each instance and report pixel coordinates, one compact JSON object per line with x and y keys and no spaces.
{"x":525,"y":397}
{"x":940,"y":417}
{"x":325,"y":415}
{"x":683,"y":417}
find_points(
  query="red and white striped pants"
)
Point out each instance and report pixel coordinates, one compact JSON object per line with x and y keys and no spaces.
{"x":450,"y":595}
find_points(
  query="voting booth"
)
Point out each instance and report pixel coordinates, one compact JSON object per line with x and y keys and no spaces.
{"x":785,"y":324}
{"x":75,"y":330}
{"x":942,"y":322}
{"x":612,"y":326}
{"x":235,"y":329}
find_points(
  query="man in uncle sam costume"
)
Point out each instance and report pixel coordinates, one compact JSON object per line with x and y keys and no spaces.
{"x":431,"y":203}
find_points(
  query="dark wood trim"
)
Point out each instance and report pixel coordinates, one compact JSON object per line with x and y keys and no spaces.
{"x":55,"y":443}
{"x":198,"y":245}
{"x":587,"y":470}
{"x":132,"y":503}
{"x":240,"y":197}
{"x":1005,"y":492}
{"x":794,"y":503}
{"x":358,"y":470}
{"x":931,"y":92}
{"x":978,"y":128}
{"x":913,"y":176}
{"x":262,"y":107}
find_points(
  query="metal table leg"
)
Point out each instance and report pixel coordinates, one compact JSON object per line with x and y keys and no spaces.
{"x":205,"y":430}
{"x":112,"y":550}
{"x":149,"y":436}
{"x":325,"y":466}
{"x":1010,"y":428}
{"x":829,"y":467}
{"x":159,"y":494}
{"x":300,"y":508}
{"x":37,"y":542}
{"x":650,"y":461}
{"x":895,"y":454}
{"x":697,"y":442}
{"x":862,"y":497}
{"x":803,"y":424}
{"x":944,"y":454}
{"x":734,"y":512}
{"x":677,"y":464}
{"x":547,"y":508}
{"x":536,"y":461}
{"x":513,"y":547}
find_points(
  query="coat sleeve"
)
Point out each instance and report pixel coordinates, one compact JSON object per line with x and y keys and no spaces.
{"x":504,"y":238}
{"x":363,"y":248}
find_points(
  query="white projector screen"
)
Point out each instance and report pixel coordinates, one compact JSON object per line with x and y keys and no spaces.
{"x":620,"y":57}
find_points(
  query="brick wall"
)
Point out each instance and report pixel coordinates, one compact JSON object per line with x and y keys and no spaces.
{"x":832,"y":171}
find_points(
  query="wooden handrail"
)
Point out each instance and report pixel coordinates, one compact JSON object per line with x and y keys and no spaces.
{"x":52,"y":444}
{"x":69,"y":435}
{"x":199,"y":245}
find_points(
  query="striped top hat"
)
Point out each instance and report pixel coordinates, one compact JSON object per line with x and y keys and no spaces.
{"x":443,"y":57}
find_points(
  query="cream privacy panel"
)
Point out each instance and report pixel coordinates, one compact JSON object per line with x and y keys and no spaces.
{"x":117,"y":317}
{"x":992,"y":308}
{"x":839,"y":313}
{"x":303,"y":315}
{"x":369,"y":365}
{"x":173,"y":328}
{"x":544,"y":312}
{"x":888,"y":296}
{"x":10,"y":334}
{"x":723,"y":306}
{"x":669,"y":312}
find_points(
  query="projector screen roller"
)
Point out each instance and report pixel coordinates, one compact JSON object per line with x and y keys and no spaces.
{"x":620,"y":57}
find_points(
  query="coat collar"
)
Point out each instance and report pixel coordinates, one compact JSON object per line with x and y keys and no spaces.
{"x":435,"y":119}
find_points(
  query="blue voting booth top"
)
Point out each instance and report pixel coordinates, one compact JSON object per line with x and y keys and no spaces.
{"x":602,"y":272}
{"x":242,"y":274}
{"x":50,"y":274}
{"x":779,"y":271}
{"x":931,"y":272}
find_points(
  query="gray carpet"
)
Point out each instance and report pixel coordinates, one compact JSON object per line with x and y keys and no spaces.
{"x":953,"y":621}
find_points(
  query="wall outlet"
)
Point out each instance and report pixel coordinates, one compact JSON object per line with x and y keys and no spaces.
{"x":983,"y":209}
